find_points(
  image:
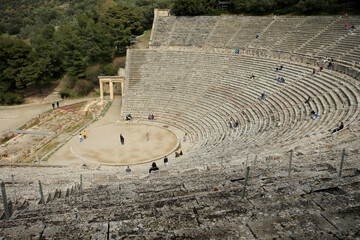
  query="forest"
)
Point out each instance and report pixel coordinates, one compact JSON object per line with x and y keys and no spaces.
{"x":43,"y":41}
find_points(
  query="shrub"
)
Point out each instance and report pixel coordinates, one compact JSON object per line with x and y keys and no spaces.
{"x":108,"y":70}
{"x":11,"y":98}
{"x":64,"y":93}
{"x":83,"y":87}
{"x":92,"y":76}
{"x":19,"y":99}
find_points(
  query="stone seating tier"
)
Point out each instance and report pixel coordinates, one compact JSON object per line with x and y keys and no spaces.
{"x":316,"y":36}
{"x":201,"y":98}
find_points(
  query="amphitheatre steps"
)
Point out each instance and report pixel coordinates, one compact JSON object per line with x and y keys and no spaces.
{"x":199,"y":194}
{"x":306,"y":35}
{"x":195,"y":198}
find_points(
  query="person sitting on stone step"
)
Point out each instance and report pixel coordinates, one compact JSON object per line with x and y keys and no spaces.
{"x":339,"y":128}
{"x":262,"y":96}
{"x":153,"y":167}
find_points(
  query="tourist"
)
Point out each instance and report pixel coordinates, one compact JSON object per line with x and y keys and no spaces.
{"x":181,"y":153}
{"x":238,"y":51}
{"x":84,"y":134}
{"x":257,"y":36}
{"x":153,"y":167}
{"x":314,"y":70}
{"x":339,"y":128}
{"x":282,"y":80}
{"x":57,"y":104}
{"x":321,"y":68}
{"x":80,"y":137}
{"x":236,"y":124}
{"x":177,"y":154}
{"x":308,"y":101}
{"x":281,"y":67}
{"x":329,"y":65}
{"x":122,"y":139}
{"x":53,"y":105}
{"x":352,"y":28}
{"x":262,"y":96}
{"x":274,"y":17}
{"x":276,"y":69}
{"x":315,"y":116}
{"x":166,"y":161}
{"x":152,"y":117}
{"x":184,"y":139}
{"x":128,"y":169}
{"x":149,"y":117}
{"x":346,"y":26}
{"x":147,"y":137}
{"x":230,"y":124}
{"x":252,"y":76}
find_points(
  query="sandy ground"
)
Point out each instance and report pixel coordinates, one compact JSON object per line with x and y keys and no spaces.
{"x":13,"y":117}
{"x":103,"y":142}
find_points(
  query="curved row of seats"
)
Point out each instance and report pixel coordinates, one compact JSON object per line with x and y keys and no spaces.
{"x":200,"y":92}
{"x":322,"y":36}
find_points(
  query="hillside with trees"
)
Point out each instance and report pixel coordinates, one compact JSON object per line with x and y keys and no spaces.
{"x":43,"y":41}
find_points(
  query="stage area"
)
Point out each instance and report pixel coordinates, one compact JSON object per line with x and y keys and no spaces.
{"x":103,"y":146}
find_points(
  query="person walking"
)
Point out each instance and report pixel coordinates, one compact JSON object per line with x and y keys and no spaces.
{"x":122,"y":139}
{"x":57,"y":104}
{"x":80,"y":137}
{"x":166,"y":161}
{"x":53,"y":105}
{"x":84,"y":134}
{"x":128,"y":169}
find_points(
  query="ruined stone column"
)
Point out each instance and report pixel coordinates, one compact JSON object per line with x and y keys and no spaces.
{"x":101,"y":90}
{"x":111,"y":90}
{"x":122,"y":89}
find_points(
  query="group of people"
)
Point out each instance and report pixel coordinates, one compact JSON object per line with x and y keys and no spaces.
{"x":233,"y":123}
{"x":279,"y":68}
{"x":154,"y":167}
{"x":280,"y":79}
{"x":57,"y":105}
{"x":316,"y":115}
{"x":237,"y":51}
{"x":83,"y":135}
{"x":178,"y":154}
{"x":351,"y":28}
{"x":151,"y":117}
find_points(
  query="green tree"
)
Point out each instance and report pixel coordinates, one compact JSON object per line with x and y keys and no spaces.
{"x":14,"y":56}
{"x":38,"y":72}
{"x":95,"y":39}
{"x":190,"y":7}
{"x":72,"y":51}
{"x":122,"y":23}
{"x":45,"y":47}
